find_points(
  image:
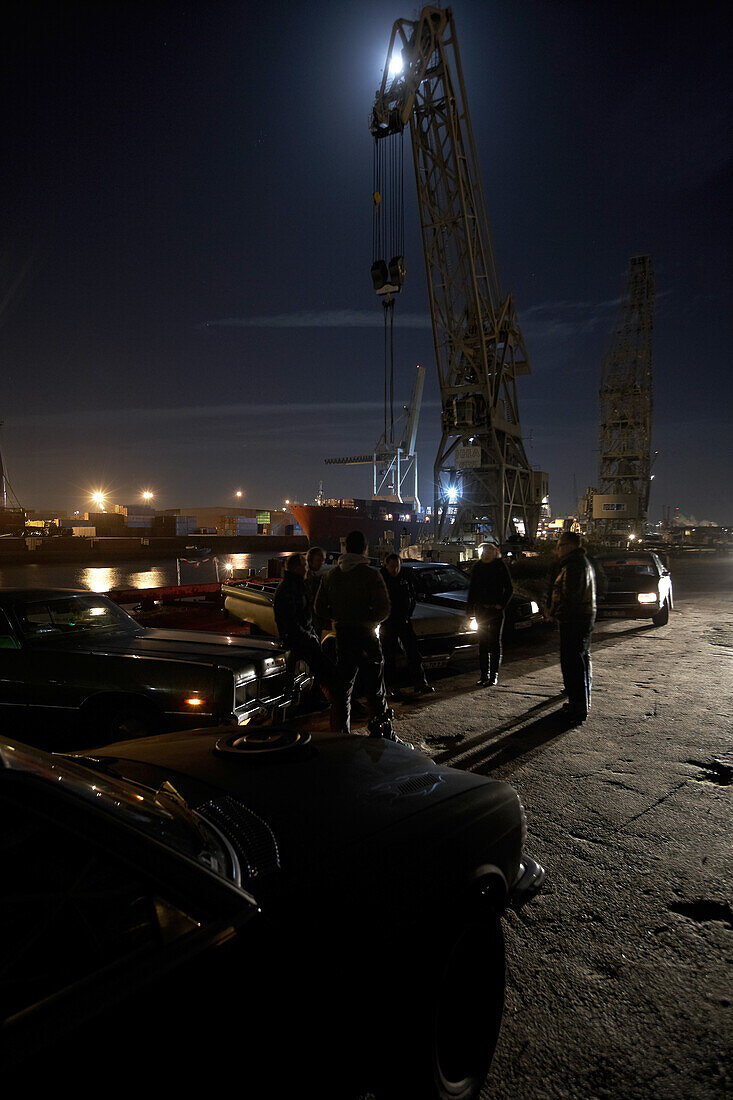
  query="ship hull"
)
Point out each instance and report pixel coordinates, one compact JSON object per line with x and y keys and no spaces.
{"x":326,"y":526}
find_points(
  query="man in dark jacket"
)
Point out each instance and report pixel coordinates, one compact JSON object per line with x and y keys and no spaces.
{"x":573,"y":607}
{"x":313,"y":577}
{"x":488,"y":594}
{"x":295,"y":627}
{"x":354,"y":597}
{"x":397,"y":627}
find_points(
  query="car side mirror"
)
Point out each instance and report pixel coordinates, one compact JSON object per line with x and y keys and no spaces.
{"x":7,"y":641}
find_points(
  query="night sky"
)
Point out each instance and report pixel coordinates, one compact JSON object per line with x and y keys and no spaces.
{"x":185,"y":298}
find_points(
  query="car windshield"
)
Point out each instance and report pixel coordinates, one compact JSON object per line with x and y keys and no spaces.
{"x":628,"y":567}
{"x":443,"y":578}
{"x":72,"y":615}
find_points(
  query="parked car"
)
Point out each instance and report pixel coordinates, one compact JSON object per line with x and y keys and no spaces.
{"x":77,"y":656}
{"x":443,"y":633}
{"x":303,"y":906}
{"x":638,"y":586}
{"x":445,"y":585}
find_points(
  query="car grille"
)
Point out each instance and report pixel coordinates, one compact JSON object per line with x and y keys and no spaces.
{"x":252,"y":838}
{"x":273,"y":687}
{"x":245,"y":693}
{"x":618,"y":599}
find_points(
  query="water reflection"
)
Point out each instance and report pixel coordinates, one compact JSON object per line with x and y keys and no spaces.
{"x":155,"y":573}
{"x":97,"y":580}
{"x":151,"y":578}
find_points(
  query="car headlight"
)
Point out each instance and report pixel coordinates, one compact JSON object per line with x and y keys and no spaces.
{"x":535,"y":607}
{"x":647,"y":597}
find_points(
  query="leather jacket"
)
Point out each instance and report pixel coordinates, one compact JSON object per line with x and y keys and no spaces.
{"x":573,"y":597}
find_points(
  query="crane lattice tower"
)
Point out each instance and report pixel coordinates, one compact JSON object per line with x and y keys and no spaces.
{"x":484,"y":484}
{"x":626,"y":393}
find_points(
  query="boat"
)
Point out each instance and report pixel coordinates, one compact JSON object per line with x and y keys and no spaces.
{"x":383,"y":523}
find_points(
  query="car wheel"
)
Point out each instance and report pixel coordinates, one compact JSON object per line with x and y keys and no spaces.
{"x":662,"y":616}
{"x":125,"y":721}
{"x":454,"y":1025}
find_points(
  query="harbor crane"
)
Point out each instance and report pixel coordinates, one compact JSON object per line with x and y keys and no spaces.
{"x":395,"y":464}
{"x":484,"y":484}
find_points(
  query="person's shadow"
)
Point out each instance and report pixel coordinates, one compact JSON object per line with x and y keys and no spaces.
{"x":525,"y":741}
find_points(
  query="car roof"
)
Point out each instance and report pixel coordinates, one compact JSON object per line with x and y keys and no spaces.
{"x":628,"y":555}
{"x":21,"y":595}
{"x":426,"y":564}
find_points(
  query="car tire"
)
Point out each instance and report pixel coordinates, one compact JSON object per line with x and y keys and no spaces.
{"x":662,"y":616}
{"x":121,"y":721}
{"x":453,"y":1025}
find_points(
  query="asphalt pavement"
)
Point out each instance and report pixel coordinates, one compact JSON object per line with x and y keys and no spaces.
{"x":619,"y":973}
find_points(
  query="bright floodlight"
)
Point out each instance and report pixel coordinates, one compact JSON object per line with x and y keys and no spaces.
{"x":147,"y":494}
{"x":98,"y":498}
{"x":238,"y":493}
{"x":395,"y":64}
{"x":452,"y":494}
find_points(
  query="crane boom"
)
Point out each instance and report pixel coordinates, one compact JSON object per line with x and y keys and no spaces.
{"x":483,"y":481}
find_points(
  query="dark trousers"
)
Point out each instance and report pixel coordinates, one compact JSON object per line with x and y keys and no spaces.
{"x":490,"y":627}
{"x":575,"y":662}
{"x":391,"y":634}
{"x":358,"y":652}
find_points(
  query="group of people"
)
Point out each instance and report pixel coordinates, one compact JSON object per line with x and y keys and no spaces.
{"x":371,"y":610}
{"x":354,"y":597}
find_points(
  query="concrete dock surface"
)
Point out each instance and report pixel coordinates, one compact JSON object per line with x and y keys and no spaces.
{"x":619,"y":976}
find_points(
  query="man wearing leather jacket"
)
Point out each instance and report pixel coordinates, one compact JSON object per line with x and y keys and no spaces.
{"x":573,"y":607}
{"x":488,"y":594}
{"x":397,"y":628}
{"x":353,"y":596}
{"x":295,"y":626}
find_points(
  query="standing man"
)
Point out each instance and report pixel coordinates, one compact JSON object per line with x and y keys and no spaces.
{"x":573,"y":607}
{"x":295,"y":626}
{"x":354,"y":597}
{"x":488,"y":594}
{"x":397,"y":627}
{"x":313,"y":577}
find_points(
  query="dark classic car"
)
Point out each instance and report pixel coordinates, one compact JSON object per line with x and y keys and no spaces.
{"x":78,"y":656}
{"x":447,"y":586}
{"x":313,"y":908}
{"x":636,"y":585}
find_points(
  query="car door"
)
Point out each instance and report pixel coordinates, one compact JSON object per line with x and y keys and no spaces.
{"x":13,"y":668}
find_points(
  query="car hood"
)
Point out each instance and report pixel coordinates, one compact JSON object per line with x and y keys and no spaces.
{"x":456,"y":598}
{"x":180,"y":645}
{"x":322,"y":801}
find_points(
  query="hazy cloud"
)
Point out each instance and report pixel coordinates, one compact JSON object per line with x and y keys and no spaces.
{"x":326,"y":318}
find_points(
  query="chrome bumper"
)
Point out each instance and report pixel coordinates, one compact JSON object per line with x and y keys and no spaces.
{"x":528,"y":883}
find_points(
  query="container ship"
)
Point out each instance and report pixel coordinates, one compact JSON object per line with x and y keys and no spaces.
{"x":382,"y":522}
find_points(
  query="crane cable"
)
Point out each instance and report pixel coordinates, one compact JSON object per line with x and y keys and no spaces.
{"x":388,"y":237}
